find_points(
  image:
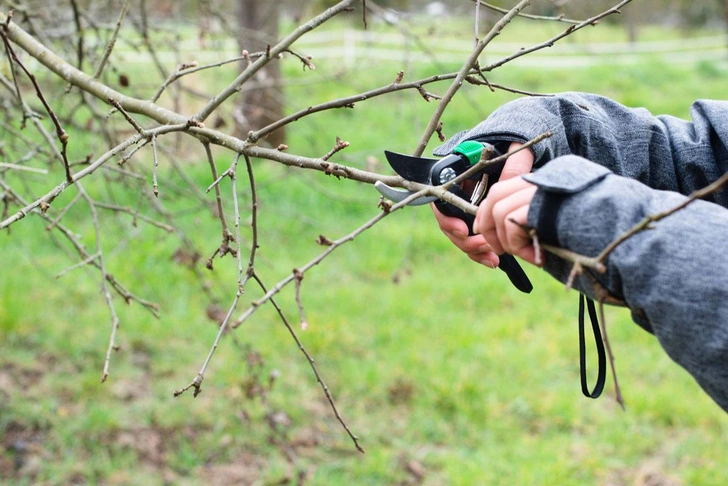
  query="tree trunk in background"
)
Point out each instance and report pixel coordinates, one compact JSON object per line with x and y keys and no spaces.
{"x":261,"y":103}
{"x":631,"y":25}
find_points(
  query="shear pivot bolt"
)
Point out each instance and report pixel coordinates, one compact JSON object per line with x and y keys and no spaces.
{"x":447,"y":174}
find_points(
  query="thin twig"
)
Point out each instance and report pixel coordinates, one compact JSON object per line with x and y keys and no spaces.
{"x":112,"y":41}
{"x":135,"y":214}
{"x":462,"y":74}
{"x":84,"y":255}
{"x":155,"y":184}
{"x":79,"y":34}
{"x":576,"y":258}
{"x":311,"y":362}
{"x":338,"y":147}
{"x":196,"y":383}
{"x":104,"y":281}
{"x":576,"y":270}
{"x":51,"y":195}
{"x":477,"y":23}
{"x":60,"y":132}
{"x":559,"y":18}
{"x":63,"y":212}
{"x":549,"y":43}
{"x":653,"y":218}
{"x":253,"y":220}
{"x":480,"y":80}
{"x":80,"y":264}
{"x":256,"y":66}
{"x":617,"y":390}
{"x":4,"y":165}
{"x":127,"y":157}
{"x":185,"y":69}
{"x":128,"y":117}
{"x":298,"y":280}
{"x":227,"y":236}
{"x":233,"y":171}
{"x":217,"y":181}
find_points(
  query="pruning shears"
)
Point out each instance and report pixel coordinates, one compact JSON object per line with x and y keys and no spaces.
{"x":436,"y":172}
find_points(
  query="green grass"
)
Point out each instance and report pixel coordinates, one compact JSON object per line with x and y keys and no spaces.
{"x":439,"y":366}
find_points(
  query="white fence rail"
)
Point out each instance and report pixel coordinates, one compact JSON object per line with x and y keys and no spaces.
{"x":359,"y":46}
{"x":356,"y":46}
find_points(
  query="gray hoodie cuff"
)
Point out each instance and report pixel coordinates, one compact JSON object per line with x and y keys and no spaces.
{"x":567,"y":175}
{"x":560,"y":178}
{"x":555,"y":214}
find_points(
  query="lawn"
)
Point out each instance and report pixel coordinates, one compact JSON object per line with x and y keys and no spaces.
{"x":445,"y":373}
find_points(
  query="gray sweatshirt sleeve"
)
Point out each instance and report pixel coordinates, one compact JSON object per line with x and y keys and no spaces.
{"x":662,"y":152}
{"x":673,"y":277}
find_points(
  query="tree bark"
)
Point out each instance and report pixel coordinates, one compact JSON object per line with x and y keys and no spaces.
{"x":262,"y":101}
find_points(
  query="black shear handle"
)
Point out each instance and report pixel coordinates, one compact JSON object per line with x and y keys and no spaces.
{"x":508,"y":262}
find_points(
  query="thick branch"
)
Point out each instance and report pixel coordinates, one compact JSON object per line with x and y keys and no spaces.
{"x":78,"y":78}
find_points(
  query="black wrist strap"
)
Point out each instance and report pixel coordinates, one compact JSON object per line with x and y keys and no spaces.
{"x":601,"y":355}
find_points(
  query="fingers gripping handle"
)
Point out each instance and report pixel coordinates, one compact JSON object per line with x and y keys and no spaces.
{"x":508,"y":263}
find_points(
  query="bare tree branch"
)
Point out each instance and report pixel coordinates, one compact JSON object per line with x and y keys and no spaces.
{"x":272,"y":54}
{"x":470,"y":62}
{"x":495,"y":8}
{"x":60,"y":132}
{"x":146,"y":125}
{"x":47,"y":199}
{"x":112,"y":41}
{"x":549,"y":43}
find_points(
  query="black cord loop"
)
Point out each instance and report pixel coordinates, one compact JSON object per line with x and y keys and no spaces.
{"x":601,"y":355}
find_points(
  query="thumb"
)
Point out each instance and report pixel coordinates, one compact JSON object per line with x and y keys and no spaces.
{"x":517,"y":164}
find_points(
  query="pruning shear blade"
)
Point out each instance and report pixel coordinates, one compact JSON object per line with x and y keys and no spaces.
{"x":399,"y":195}
{"x":435,"y":172}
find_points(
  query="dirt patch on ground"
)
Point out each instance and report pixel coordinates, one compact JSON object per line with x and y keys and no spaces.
{"x":16,"y":377}
{"x":650,"y":473}
{"x":149,"y":444}
{"x":27,"y":447}
{"x":244,"y":471}
{"x":22,"y":451}
{"x":21,"y":445}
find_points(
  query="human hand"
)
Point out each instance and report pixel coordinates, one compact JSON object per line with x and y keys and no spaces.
{"x":478,"y":247}
{"x":502,"y":216}
{"x":475,"y":247}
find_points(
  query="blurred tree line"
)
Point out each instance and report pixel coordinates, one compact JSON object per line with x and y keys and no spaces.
{"x":679,"y":13}
{"x":255,"y":24}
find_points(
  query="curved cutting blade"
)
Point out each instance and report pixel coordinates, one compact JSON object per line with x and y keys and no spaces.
{"x":416,"y":169}
{"x":399,"y":195}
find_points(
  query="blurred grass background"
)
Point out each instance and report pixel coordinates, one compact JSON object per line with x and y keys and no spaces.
{"x":447,"y":374}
